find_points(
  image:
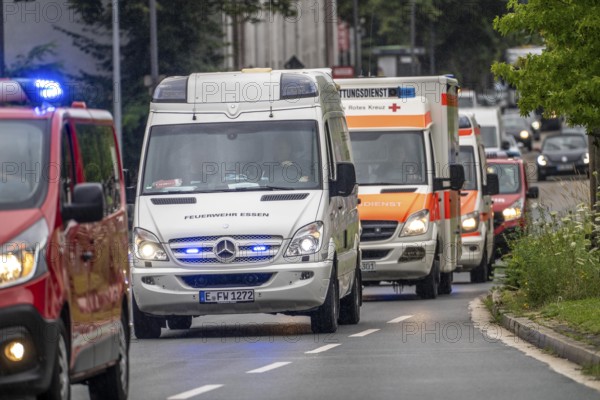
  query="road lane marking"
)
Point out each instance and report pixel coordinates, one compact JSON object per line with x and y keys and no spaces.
{"x":399,"y":319}
{"x":364,"y":333}
{"x":269,"y":367}
{"x":323,"y":348}
{"x":194,"y":392}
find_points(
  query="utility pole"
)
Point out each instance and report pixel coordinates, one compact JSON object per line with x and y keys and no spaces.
{"x":117,"y":106}
{"x":357,"y":44}
{"x":1,"y":38}
{"x":153,"y":45}
{"x":412,"y":37}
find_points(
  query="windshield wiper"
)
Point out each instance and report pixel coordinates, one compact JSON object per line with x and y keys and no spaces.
{"x":381,"y":184}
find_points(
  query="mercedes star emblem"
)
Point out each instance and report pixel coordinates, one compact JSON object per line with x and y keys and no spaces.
{"x":225,"y":250}
{"x":564,"y":159}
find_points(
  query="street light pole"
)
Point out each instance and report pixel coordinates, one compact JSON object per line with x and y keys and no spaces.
{"x":117,"y":73}
{"x":1,"y":38}
{"x":153,"y":45}
{"x":357,"y":50}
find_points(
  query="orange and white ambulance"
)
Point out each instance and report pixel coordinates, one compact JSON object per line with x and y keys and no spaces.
{"x":477,"y":215}
{"x":404,"y":134}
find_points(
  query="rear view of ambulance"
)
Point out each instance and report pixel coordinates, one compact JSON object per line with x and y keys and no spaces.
{"x":477,"y":216}
{"x":247,"y":202}
{"x":404,"y":134}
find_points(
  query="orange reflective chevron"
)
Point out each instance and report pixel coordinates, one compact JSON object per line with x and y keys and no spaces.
{"x":396,"y":206}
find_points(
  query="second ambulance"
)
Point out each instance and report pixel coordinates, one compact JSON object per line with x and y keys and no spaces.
{"x":404,"y":134}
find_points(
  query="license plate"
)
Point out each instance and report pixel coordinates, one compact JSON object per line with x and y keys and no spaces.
{"x":367,"y":266}
{"x":564,"y":167}
{"x":227,"y":296}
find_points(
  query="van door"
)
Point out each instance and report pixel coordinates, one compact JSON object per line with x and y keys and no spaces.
{"x":98,"y":152}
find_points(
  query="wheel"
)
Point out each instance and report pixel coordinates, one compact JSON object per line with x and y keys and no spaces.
{"x":181,"y":322}
{"x":325,"y":318}
{"x":480,"y":273}
{"x":145,"y":327}
{"x":350,"y":305}
{"x":428,"y":287}
{"x":541,"y":177}
{"x":114,"y":382}
{"x":60,"y":384}
{"x":445,"y":283}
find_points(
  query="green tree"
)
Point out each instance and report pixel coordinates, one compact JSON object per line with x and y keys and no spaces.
{"x":565,"y":78}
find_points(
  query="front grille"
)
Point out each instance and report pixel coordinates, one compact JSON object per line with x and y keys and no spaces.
{"x":248,"y":249}
{"x":374,"y":254}
{"x":377,"y":230}
{"x":226,"y":280}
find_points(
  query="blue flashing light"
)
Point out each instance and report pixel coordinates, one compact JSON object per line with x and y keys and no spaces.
{"x":192,"y":251}
{"x":43,"y":110}
{"x":48,"y":90}
{"x":407,"y":92}
{"x":259,"y":248}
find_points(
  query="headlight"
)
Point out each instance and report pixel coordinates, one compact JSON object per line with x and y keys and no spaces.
{"x":586,"y":158}
{"x":307,"y":240}
{"x":416,"y":224}
{"x":541,"y":160}
{"x":514,"y":211}
{"x":19,"y":258}
{"x":147,"y":246}
{"x":536,"y":125}
{"x":470,"y":222}
{"x":524,"y":134}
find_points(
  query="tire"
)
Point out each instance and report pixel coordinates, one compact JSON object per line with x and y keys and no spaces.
{"x":541,"y":177}
{"x":446,"y":279}
{"x":60,"y":384}
{"x":325,"y":318}
{"x":181,"y":322}
{"x":114,"y":382}
{"x":350,"y":305}
{"x":429,"y":286}
{"x":480,"y":273}
{"x":145,"y":327}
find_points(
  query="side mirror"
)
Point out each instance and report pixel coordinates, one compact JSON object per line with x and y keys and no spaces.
{"x":533,"y":192}
{"x":493,"y":185}
{"x":87,"y":205}
{"x":457,"y":176}
{"x":505,"y":145}
{"x":346,"y":180}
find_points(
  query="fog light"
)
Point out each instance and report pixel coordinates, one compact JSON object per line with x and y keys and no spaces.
{"x":14,"y":351}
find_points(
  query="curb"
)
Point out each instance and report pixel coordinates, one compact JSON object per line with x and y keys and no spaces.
{"x":549,"y":340}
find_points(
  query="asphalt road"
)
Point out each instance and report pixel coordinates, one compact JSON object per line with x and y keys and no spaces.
{"x":403,"y":348}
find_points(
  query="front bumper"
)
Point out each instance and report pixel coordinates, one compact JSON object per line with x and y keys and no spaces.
{"x":31,"y":375}
{"x":563,"y":169}
{"x":278,"y":288}
{"x":472,"y":252}
{"x":397,"y":261}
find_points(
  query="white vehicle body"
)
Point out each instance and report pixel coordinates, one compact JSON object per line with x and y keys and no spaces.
{"x":490,"y":122}
{"x":221,"y":225}
{"x":404,"y":134}
{"x":477,"y":215}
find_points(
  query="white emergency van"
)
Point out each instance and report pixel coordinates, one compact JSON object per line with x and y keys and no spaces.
{"x":477,"y":214}
{"x":246,"y":202}
{"x":404,"y":134}
{"x":491,"y":127}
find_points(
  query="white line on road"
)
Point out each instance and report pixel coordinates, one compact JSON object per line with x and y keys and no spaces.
{"x":365,"y":333}
{"x":268,"y":367}
{"x":194,"y":392}
{"x":399,"y":319}
{"x":322,"y":349}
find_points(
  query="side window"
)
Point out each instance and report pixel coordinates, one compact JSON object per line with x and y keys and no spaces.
{"x":347,"y":146}
{"x":100,"y":164}
{"x":482,"y":165}
{"x":67,"y":167}
{"x":340,"y":139}
{"x":331,"y":160}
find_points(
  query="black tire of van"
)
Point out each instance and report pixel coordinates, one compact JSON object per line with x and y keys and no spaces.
{"x":60,"y":384}
{"x":145,"y":327}
{"x":428,"y":287}
{"x":180,"y":322}
{"x":480,"y":273}
{"x":350,"y":305}
{"x":114,"y":382}
{"x":446,"y":279}
{"x":325,"y":318}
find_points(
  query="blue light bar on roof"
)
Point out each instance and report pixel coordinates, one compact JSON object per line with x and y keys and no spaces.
{"x":296,"y":86}
{"x":407,"y":93}
{"x":171,"y":90}
{"x":36,"y":92}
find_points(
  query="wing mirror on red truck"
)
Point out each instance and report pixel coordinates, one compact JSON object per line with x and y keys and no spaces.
{"x":533,"y":192}
{"x":87,"y":204}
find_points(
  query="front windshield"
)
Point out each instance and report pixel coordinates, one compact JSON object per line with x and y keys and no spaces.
{"x":389,"y":158}
{"x":22,"y":157}
{"x":467,"y":158}
{"x":232,"y":156}
{"x":489,"y":136}
{"x":508,"y":177}
{"x":560,"y":143}
{"x":513,"y":124}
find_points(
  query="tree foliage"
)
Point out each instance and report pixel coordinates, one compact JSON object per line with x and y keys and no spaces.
{"x":565,"y":78}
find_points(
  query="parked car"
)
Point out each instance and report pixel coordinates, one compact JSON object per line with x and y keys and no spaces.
{"x":518,"y":127}
{"x":563,"y":154}
{"x":574,"y":130}
{"x":510,"y":204}
{"x":64,"y":308}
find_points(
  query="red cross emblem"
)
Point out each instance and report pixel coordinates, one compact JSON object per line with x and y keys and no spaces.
{"x":394,"y":107}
